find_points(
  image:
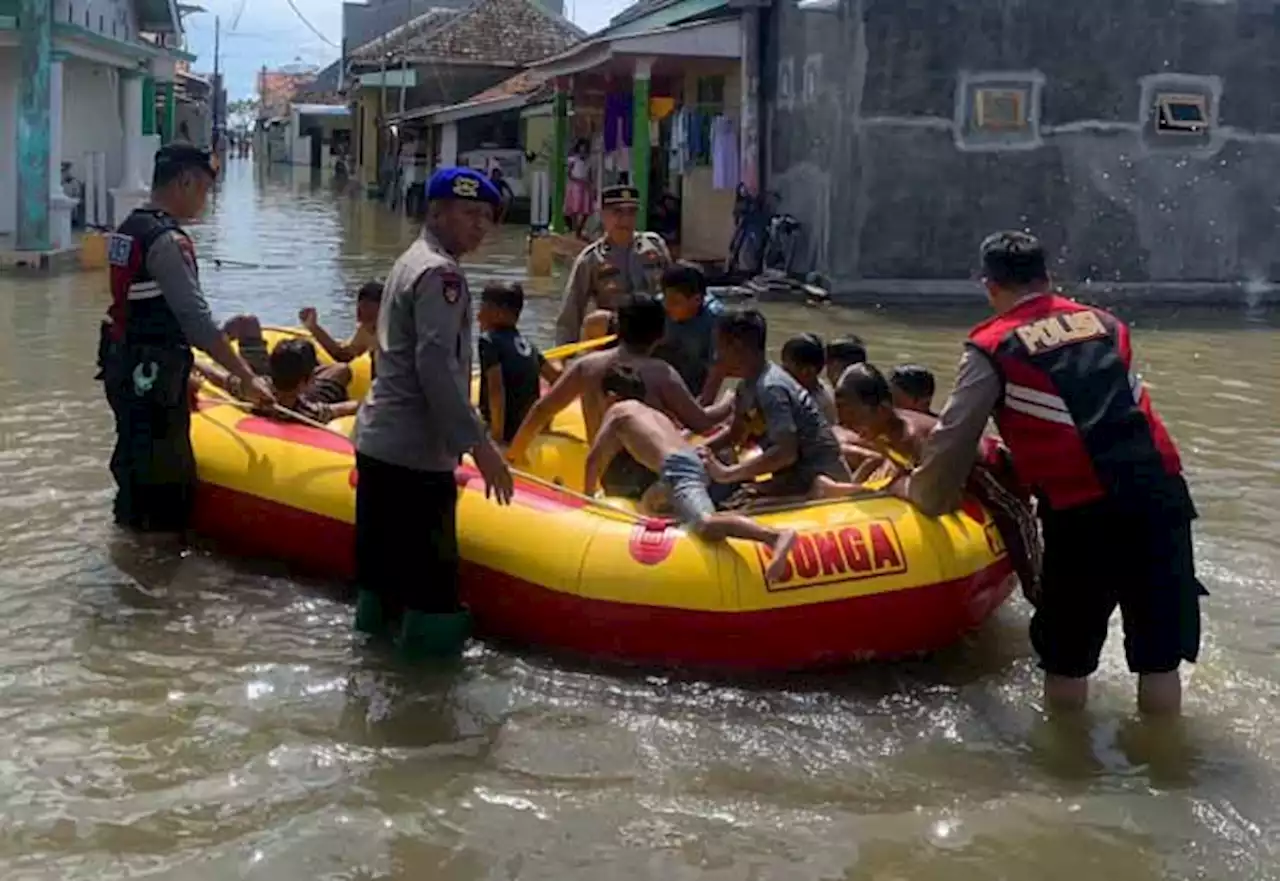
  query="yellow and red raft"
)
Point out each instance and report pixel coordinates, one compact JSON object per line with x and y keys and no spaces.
{"x":867,"y":578}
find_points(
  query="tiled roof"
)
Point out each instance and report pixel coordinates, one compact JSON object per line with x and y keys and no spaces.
{"x":524,"y":83}
{"x":394,"y":40}
{"x":495,"y":32}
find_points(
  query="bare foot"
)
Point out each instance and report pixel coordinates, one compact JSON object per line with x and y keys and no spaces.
{"x":781,"y":548}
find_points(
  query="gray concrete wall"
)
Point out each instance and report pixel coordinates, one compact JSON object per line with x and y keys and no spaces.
{"x":863,"y":140}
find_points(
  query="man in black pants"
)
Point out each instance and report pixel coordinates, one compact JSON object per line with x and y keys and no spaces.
{"x":157,"y":313}
{"x":1061,"y":381}
{"x":415,"y":425}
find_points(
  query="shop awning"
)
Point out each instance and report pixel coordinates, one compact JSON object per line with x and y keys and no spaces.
{"x":719,"y":38}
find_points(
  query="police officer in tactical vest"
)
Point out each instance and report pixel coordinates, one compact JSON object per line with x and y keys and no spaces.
{"x":157,"y":314}
{"x":416,"y":424}
{"x":1060,"y":380}
{"x":619,"y":263}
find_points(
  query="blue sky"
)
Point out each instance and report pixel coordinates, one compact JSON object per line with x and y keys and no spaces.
{"x":269,"y":33}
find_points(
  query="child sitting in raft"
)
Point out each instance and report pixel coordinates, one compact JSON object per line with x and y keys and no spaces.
{"x":657,"y":443}
{"x":843,"y":354}
{"x":365,"y":337}
{"x":913,"y":388}
{"x":329,"y":382}
{"x":688,"y":344}
{"x":899,"y":436}
{"x":510,"y":366}
{"x":888,"y":438}
{"x":805,"y":358}
{"x":796,"y":440}
{"x":291,"y":368}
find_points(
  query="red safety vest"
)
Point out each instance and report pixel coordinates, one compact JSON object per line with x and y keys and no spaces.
{"x":1075,"y":416}
{"x":138,"y":311}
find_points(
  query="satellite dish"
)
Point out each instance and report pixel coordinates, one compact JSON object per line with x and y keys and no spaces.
{"x":818,"y":5}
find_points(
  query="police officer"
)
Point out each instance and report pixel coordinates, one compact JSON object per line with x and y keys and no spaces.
{"x":1059,"y":378}
{"x":619,"y":263}
{"x":415,"y":425}
{"x":157,"y":314}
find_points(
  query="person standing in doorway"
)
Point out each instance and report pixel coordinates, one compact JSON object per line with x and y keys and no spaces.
{"x":620,"y":263}
{"x":416,"y":424}
{"x":157,"y":313}
{"x":1060,"y":380}
{"x":577,"y":197}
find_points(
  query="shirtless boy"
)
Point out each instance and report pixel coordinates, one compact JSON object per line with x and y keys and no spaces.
{"x":641,"y":324}
{"x":864,"y":402}
{"x":657,"y":443}
{"x":365,"y":337}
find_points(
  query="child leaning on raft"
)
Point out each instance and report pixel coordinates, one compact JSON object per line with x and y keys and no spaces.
{"x":329,"y":382}
{"x":898,"y":437}
{"x":291,"y":367}
{"x":657,"y":443}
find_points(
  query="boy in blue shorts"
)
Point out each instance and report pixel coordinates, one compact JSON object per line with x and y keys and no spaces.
{"x":658,"y":444}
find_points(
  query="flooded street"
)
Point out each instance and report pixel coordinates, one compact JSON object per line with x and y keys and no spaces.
{"x":198,"y":718}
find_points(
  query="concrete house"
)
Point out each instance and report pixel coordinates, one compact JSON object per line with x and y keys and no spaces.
{"x":1139,"y":139}
{"x":441,"y":57}
{"x":78,"y":90}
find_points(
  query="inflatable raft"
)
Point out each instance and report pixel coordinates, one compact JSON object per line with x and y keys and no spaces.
{"x":867,"y":578}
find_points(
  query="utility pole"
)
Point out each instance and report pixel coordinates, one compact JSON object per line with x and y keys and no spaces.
{"x":217,"y":74}
{"x":404,"y":57}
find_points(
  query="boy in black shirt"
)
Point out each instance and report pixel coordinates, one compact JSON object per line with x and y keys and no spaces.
{"x":510,"y":366}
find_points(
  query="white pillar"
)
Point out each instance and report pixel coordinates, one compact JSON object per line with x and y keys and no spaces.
{"x":61,"y":205}
{"x":90,"y":180}
{"x":102,"y":217}
{"x":133,"y":190}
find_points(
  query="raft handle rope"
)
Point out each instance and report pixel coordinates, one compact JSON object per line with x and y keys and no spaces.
{"x":558,"y":353}
{"x":632,"y":516}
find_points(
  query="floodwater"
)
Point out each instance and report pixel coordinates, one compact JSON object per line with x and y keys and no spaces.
{"x":195,"y":717}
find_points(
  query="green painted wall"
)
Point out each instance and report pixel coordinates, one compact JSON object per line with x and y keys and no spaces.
{"x":34,"y":51}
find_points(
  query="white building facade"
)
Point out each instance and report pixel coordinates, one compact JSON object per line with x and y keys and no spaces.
{"x":78,"y":85}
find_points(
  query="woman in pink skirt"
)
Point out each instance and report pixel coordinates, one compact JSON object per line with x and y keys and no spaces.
{"x":577,"y":201}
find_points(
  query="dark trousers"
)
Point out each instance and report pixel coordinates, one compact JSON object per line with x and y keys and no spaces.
{"x":407,"y":536}
{"x":153,"y":463}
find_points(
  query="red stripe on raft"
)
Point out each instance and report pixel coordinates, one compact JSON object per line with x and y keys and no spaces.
{"x":884,"y":625}
{"x":294,"y":433}
{"x":528,"y":493}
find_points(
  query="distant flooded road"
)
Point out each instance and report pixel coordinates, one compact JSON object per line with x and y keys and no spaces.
{"x":194,"y":717}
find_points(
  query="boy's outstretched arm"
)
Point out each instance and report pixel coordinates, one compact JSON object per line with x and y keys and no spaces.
{"x":341,"y":352}
{"x":567,"y":390}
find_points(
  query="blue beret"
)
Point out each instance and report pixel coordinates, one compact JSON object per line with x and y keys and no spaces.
{"x":463,"y":183}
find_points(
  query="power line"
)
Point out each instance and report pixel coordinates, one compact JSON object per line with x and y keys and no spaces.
{"x":302,"y":18}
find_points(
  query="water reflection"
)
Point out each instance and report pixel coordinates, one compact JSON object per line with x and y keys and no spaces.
{"x":190,"y":716}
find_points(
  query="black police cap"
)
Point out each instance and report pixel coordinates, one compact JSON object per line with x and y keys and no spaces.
{"x":186,"y":156}
{"x":619,"y":196}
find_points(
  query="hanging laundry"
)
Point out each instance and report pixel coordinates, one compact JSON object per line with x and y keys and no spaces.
{"x":661,"y":107}
{"x":724,"y":154}
{"x":679,"y":149}
{"x":617,"y":121}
